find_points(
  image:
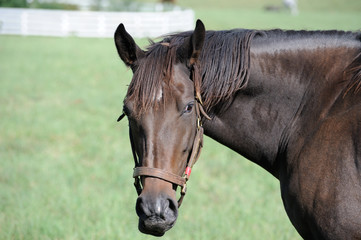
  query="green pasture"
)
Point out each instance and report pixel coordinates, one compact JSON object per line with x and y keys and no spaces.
{"x":66,"y":164}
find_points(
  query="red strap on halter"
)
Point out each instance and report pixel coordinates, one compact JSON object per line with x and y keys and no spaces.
{"x":188,"y":171}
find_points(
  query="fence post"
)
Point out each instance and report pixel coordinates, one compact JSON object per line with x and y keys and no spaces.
{"x":65,"y":24}
{"x":24,"y":23}
{"x":101,"y":25}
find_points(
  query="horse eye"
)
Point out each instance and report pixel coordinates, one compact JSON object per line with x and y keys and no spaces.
{"x":188,"y":108}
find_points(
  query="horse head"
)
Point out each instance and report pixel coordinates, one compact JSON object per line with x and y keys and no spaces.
{"x":163,"y":109}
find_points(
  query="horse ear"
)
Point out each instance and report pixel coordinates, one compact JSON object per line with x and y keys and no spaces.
{"x":192,"y":46}
{"x":196,"y":42}
{"x":128,"y":50}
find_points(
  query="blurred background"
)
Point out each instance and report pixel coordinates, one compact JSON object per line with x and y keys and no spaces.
{"x":66,"y":164}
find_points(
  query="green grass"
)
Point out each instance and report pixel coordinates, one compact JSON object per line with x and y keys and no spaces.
{"x":66,"y":164}
{"x":260,"y":19}
{"x":322,"y":6}
{"x":313,"y":15}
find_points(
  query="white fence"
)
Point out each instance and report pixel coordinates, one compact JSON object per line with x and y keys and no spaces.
{"x":92,"y":24}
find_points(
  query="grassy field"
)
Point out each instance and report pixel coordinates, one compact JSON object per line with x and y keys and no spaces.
{"x":304,"y":5}
{"x":66,"y":163}
{"x":313,"y":15}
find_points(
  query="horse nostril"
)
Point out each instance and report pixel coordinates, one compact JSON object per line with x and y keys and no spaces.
{"x":141,"y":210}
{"x":173,"y":206}
{"x":170,"y":211}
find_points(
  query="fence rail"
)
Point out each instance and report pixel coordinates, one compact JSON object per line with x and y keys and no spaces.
{"x":92,"y":24}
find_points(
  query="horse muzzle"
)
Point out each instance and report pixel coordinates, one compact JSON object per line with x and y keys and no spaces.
{"x":157,"y":214}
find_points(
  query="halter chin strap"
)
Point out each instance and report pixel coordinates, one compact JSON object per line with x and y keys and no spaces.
{"x":181,"y":181}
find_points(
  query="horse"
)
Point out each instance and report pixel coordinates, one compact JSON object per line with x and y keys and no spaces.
{"x":289,"y":101}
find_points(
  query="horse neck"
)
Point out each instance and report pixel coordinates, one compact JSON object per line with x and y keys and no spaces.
{"x":283,"y":85}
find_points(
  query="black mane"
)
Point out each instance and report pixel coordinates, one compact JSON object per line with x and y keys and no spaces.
{"x":224,"y":62}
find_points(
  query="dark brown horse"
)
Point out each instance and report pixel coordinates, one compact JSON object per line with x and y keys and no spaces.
{"x":290,"y":101}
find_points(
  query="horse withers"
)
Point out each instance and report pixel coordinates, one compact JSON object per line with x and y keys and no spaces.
{"x":289,"y":101}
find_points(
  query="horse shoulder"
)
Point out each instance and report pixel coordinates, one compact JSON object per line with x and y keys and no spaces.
{"x":324,"y":182}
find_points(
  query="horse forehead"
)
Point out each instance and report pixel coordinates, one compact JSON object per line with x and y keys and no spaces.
{"x":180,"y":85}
{"x":181,"y":82}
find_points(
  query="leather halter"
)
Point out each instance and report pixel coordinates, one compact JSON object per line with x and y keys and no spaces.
{"x":165,"y":175}
{"x":181,"y":181}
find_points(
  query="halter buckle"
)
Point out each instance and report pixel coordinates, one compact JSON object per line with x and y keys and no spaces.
{"x":184,"y":189}
{"x":199,"y":123}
